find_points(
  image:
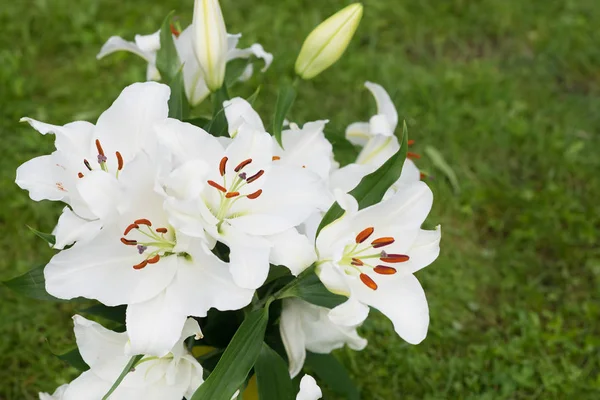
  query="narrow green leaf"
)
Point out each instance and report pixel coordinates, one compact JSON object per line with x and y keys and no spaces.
{"x":130,"y":365}
{"x":74,"y":359}
{"x":31,"y":284}
{"x":272,"y":376}
{"x":218,"y":125}
{"x":440,"y":163}
{"x":237,"y":361}
{"x":253,"y":96}
{"x":167,"y":59}
{"x":309,"y":287}
{"x":372,"y":187}
{"x":49,"y":238}
{"x":330,"y":371}
{"x":200,"y":122}
{"x":285,"y":99}
{"x":179,"y":107}
{"x":235,"y":69}
{"x":116,"y":314}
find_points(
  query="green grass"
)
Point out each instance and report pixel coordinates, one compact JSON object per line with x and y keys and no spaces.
{"x":508,"y":91}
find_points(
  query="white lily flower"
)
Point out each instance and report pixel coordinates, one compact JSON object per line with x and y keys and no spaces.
{"x":173,"y":376}
{"x":83,"y":171}
{"x":210,"y":41}
{"x":305,"y":326}
{"x":142,"y":261}
{"x":370,"y":256}
{"x":236,"y":192}
{"x":146,"y":46}
{"x":309,"y":390}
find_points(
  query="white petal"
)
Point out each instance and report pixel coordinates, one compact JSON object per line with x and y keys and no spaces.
{"x":154,"y":326}
{"x":190,"y":328}
{"x":43,"y":179}
{"x":116,"y":43}
{"x":358,"y":133}
{"x":293,"y":250}
{"x":74,"y":137}
{"x":349,"y":176}
{"x":248,"y":264}
{"x":57,"y":395}
{"x":255,"y":50}
{"x":346,"y":202}
{"x":71,"y":228}
{"x":350,"y":313}
{"x":385,"y":106}
{"x":309,"y":390}
{"x":292,"y":335}
{"x":101,"y":193}
{"x":148,"y":43}
{"x":193,"y":77}
{"x":424,"y":250}
{"x":238,"y":111}
{"x":402,"y":300}
{"x":333,"y":279}
{"x":87,"y":386}
{"x":378,"y":150}
{"x":250,"y":143}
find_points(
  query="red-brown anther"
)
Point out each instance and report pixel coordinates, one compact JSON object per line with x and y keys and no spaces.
{"x":161,"y":230}
{"x":412,"y":156}
{"x":357,"y":262}
{"x":395,"y":258}
{"x":222,"y":165}
{"x":254,"y":195}
{"x":217,"y":186}
{"x":153,"y":260}
{"x":129,"y":242}
{"x":229,"y":195}
{"x":99,"y":147}
{"x":242,"y":165}
{"x":275,"y":158}
{"x":422,"y":175}
{"x":174,"y":30}
{"x":364,"y":235}
{"x":143,"y":221}
{"x":129,"y":228}
{"x":119,"y":161}
{"x":366,"y":279}
{"x":87,"y":164}
{"x":140,"y":265}
{"x":255,"y":176}
{"x":79,"y":174}
{"x":411,"y":142}
{"x":384,"y":270}
{"x":383,"y":241}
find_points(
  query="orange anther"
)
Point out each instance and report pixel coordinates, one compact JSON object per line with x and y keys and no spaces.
{"x":366,"y":279}
{"x":217,"y":186}
{"x":364,"y":235}
{"x":384,"y":270}
{"x":383,"y":241}
{"x":254,"y":195}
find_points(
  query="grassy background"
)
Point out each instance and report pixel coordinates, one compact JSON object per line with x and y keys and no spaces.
{"x":508,"y":91}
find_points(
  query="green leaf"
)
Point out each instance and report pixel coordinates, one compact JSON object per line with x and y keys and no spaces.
{"x":74,"y":359}
{"x":440,"y":163}
{"x":285,"y":99}
{"x":237,"y":361}
{"x":128,"y":368}
{"x":179,"y":107}
{"x":372,"y":187}
{"x":253,"y":96}
{"x":200,"y":122}
{"x":31,"y":284}
{"x":235,"y":69}
{"x":330,"y":371}
{"x":49,"y":238}
{"x":218,"y":125}
{"x":116,"y":314}
{"x":272,"y":376}
{"x":167,"y":59}
{"x":309,"y":287}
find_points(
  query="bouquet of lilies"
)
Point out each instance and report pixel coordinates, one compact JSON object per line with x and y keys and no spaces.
{"x":227,"y":258}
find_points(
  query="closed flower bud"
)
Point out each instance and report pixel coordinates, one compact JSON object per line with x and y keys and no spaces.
{"x":210,"y":41}
{"x":328,"y":41}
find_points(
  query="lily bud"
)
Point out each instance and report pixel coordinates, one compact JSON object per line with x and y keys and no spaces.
{"x":210,"y":41}
{"x":328,"y":41}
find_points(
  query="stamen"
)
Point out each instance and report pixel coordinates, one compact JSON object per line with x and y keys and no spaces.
{"x":395,"y":258}
{"x":101,"y":159}
{"x":357,"y":262}
{"x":143,"y":221}
{"x":243,"y":175}
{"x":412,"y":156}
{"x":370,"y":283}
{"x":141,"y":248}
{"x":383,"y":241}
{"x":129,"y":228}
{"x":275,"y":158}
{"x":254,"y":195}
{"x":411,"y":142}
{"x":129,"y":242}
{"x":119,"y":161}
{"x":217,"y":186}
{"x":242,"y":165}
{"x":229,"y":195}
{"x":99,"y":148}
{"x":79,"y":174}
{"x":422,"y":175}
{"x":140,"y":265}
{"x":364,"y":235}
{"x":87,"y":164}
{"x":255,"y":176}
{"x":222,"y":165}
{"x":174,"y":30}
{"x":384,"y":270}
{"x":161,"y":230}
{"x":153,"y":260}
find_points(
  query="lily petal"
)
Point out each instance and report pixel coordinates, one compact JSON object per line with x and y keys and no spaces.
{"x":385,"y":107}
{"x":293,"y":250}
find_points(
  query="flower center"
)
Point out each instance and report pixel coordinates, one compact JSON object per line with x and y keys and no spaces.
{"x":353,"y":260}
{"x":102,"y":161}
{"x":233,"y":187}
{"x":156,"y":246}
